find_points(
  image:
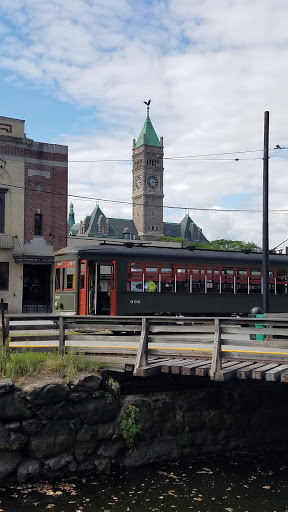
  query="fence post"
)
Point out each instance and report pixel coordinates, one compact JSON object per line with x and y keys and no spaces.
{"x":61,"y":335}
{"x":6,"y":328}
{"x":216,"y":365}
{"x":142,"y":354}
{"x":2,"y":307}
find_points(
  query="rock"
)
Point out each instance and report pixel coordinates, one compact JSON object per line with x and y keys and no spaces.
{"x":31,"y":427}
{"x":55,"y":438}
{"x":87,"y":433}
{"x":98,"y":411}
{"x":85,"y":449}
{"x":111,"y":448}
{"x":102,"y":465}
{"x":107,"y":430}
{"x":56,"y":411}
{"x":28,"y":469}
{"x":149,"y":452}
{"x":14,"y":426}
{"x":56,"y":463}
{"x":6,"y":386}
{"x":85,"y":383}
{"x":13,"y":407}
{"x":46,"y":392}
{"x":8,"y":462}
{"x":10,"y":440}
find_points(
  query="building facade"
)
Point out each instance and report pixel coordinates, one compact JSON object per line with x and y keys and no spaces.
{"x":147,"y":182}
{"x":33,"y":209}
{"x":147,"y":200}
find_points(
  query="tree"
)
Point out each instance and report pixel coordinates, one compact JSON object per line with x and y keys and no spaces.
{"x":221,"y":244}
{"x":229,"y":245}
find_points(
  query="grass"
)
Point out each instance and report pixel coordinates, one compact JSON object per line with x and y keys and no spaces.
{"x":16,"y":365}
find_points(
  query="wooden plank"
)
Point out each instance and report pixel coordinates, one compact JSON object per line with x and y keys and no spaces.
{"x":177,"y":369}
{"x":245,"y":373}
{"x":182,"y":328}
{"x":166,"y":366}
{"x":33,"y":327}
{"x":198,"y":369}
{"x":180,"y":352}
{"x":203,"y":371}
{"x":61,"y":335}
{"x":103,"y":327}
{"x":216,"y":363}
{"x":284,"y":377}
{"x":185,"y":339}
{"x":142,"y":354}
{"x":98,"y":338}
{"x":259,"y":373}
{"x":275,"y":373}
{"x":228,"y":373}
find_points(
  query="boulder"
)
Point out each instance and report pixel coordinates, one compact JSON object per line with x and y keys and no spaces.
{"x":46,"y":391}
{"x":55,"y":438}
{"x":8,"y":462}
{"x":13,"y":407}
{"x":28,"y":469}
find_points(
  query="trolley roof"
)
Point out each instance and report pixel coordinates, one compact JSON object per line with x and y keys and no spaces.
{"x":185,"y":255}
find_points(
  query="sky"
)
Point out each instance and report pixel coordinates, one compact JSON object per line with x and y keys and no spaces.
{"x":79,"y":71}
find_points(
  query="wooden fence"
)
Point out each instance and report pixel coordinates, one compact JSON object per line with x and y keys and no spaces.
{"x":219,"y":347}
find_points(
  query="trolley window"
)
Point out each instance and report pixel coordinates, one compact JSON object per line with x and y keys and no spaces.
{"x":69,"y":278}
{"x":213,"y":279}
{"x":58,"y":274}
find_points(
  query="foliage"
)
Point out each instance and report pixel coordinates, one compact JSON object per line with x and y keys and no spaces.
{"x":129,"y":425}
{"x":113,"y":386}
{"x":229,"y":245}
{"x":184,"y":437}
{"x":221,"y":244}
{"x":16,"y":365}
{"x":163,"y":238}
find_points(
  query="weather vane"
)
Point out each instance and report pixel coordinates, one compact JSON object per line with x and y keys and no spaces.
{"x":148,"y":105}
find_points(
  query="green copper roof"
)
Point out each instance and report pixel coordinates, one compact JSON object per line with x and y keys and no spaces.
{"x":151,"y":138}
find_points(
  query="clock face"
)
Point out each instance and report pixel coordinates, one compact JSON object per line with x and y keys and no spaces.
{"x":138,"y":181}
{"x":152,"y":181}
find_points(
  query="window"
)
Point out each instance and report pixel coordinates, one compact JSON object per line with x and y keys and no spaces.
{"x":58,"y":273}
{"x":241,"y":280}
{"x":2,"y":210}
{"x":38,"y":224}
{"x":227,"y":282}
{"x":4,"y":276}
{"x":69,"y":279}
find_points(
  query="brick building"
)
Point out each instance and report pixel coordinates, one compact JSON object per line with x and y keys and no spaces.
{"x":147,"y":197}
{"x":33,"y":209}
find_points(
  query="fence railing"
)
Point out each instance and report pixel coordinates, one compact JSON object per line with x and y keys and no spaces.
{"x":216,"y":340}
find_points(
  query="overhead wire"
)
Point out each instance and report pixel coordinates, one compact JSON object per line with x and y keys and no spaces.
{"x":130,"y":203}
{"x":191,"y":157}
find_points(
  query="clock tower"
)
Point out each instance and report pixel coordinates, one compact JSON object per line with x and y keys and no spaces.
{"x":147,"y":187}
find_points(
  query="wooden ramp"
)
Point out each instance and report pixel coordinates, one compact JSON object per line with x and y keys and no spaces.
{"x":244,"y":370}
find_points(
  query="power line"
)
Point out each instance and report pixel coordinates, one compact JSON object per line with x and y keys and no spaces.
{"x":130,"y":203}
{"x":191,"y":157}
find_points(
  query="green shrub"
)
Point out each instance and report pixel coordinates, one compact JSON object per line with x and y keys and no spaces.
{"x":129,"y":426}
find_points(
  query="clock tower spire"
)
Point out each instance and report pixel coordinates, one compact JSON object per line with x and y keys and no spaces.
{"x":147,"y":188}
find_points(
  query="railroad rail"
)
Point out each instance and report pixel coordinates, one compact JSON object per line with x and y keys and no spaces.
{"x":221,"y":348}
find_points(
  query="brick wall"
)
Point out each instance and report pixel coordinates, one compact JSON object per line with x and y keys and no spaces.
{"x":46,"y":188}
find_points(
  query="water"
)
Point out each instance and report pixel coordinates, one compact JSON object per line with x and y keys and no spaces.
{"x":200,"y":486}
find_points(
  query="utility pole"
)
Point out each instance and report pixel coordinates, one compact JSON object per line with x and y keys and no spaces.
{"x":265,"y":225}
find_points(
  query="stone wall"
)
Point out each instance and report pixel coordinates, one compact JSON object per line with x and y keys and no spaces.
{"x":52,"y":429}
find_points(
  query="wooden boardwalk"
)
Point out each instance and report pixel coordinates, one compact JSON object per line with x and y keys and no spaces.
{"x":218,"y":348}
{"x":245,"y":370}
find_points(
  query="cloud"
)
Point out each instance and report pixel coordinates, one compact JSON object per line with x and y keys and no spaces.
{"x":211,"y":69}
